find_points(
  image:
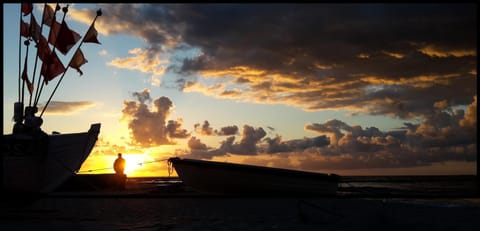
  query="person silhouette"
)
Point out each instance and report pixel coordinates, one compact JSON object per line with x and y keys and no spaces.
{"x":119,"y":164}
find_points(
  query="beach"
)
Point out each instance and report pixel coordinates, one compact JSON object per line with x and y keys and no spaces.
{"x":96,"y":212}
{"x":166,"y":204}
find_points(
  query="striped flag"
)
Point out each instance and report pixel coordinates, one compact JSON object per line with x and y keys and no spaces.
{"x":48,"y":15}
{"x":52,"y":68}
{"x":27,"y":8}
{"x":78,"y":60}
{"x":91,"y":35}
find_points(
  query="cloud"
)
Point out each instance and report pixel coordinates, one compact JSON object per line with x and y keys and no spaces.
{"x":442,"y":137}
{"x":144,"y":60}
{"x":246,"y":146}
{"x":206,"y":130}
{"x":445,"y":136}
{"x":149,"y":127}
{"x":174,"y":129}
{"x":399,"y":60}
{"x":374,"y":59}
{"x":227,"y":130}
{"x":276,"y":145}
{"x":196,"y":144}
{"x":66,"y":108}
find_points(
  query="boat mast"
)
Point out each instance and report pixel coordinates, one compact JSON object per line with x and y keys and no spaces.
{"x":50,"y":57}
{"x":36,"y":56}
{"x":65,"y":10}
{"x":25,"y":9}
{"x":19,"y":54}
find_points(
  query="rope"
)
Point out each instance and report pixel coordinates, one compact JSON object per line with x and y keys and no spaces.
{"x":142,"y":163}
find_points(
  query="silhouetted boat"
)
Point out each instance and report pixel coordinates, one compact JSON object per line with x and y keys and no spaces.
{"x":40,"y":163}
{"x":240,"y":179}
{"x":33,"y":161}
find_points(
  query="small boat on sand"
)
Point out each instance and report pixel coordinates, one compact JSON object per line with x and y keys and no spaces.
{"x":240,"y":179}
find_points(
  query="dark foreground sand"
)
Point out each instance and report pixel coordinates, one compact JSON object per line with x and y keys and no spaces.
{"x":247,"y":213}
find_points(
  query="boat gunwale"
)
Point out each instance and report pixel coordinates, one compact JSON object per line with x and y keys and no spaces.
{"x":256,"y":168}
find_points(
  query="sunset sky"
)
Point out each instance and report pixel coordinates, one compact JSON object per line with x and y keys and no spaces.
{"x":351,"y":89}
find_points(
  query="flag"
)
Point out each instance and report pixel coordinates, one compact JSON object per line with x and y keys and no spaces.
{"x":35,"y":29}
{"x":27,"y":8}
{"x":24,"y":29}
{"x":43,"y":49}
{"x":48,"y":15}
{"x":91,"y":35}
{"x":52,"y":68}
{"x":65,"y":39}
{"x":78,"y":60}
{"x":25,"y":77}
{"x":52,"y":35}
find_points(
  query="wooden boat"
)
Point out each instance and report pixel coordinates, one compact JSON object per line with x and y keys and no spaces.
{"x":41,"y":163}
{"x":32,"y":161}
{"x":240,"y":179}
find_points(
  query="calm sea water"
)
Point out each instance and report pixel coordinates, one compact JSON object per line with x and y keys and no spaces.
{"x":375,"y":186}
{"x":421,"y":186}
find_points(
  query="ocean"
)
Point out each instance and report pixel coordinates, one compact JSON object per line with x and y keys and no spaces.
{"x":409,"y":186}
{"x":161,"y":203}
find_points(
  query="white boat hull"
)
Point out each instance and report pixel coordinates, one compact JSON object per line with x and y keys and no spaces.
{"x":237,"y":179}
{"x":28,"y":168}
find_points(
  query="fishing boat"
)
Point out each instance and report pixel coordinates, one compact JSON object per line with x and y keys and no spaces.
{"x":32,"y":161}
{"x":40,"y":163}
{"x":240,"y":179}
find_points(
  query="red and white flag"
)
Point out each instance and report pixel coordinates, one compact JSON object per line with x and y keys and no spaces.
{"x":48,"y":15}
{"x":35,"y":29}
{"x":52,"y":68}
{"x":62,"y":37}
{"x":24,"y":29}
{"x":43,"y":49}
{"x":25,"y":77}
{"x":91,"y":35}
{"x":78,"y":60}
{"x":27,"y":8}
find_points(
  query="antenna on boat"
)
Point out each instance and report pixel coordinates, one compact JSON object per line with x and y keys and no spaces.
{"x":90,"y":29}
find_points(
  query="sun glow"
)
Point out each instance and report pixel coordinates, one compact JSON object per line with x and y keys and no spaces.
{"x":134,"y":162}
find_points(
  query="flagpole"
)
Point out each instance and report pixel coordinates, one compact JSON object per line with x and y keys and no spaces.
{"x":20,"y":53}
{"x":27,"y":43}
{"x":36,"y":57}
{"x":57,"y":8}
{"x":99,"y":13}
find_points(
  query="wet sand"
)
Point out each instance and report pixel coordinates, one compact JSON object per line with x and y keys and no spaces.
{"x":201,"y":212}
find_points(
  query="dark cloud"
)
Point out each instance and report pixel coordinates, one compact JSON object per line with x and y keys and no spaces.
{"x":276,"y":144}
{"x":204,"y":129}
{"x":444,"y":136}
{"x":196,"y":144}
{"x":381,"y":59}
{"x":246,"y":146}
{"x":401,"y":60}
{"x":174,"y":129}
{"x":227,"y":131}
{"x":150,"y":127}
{"x":447,"y":135}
